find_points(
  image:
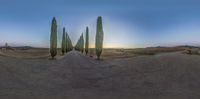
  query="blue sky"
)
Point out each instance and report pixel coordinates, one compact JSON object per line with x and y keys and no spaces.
{"x":127,"y":23}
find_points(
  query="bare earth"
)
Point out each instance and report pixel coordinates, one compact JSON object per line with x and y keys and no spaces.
{"x":75,"y":76}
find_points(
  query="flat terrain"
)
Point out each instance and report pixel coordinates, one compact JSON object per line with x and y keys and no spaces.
{"x":119,"y":75}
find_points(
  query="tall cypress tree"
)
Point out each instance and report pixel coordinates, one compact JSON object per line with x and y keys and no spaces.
{"x":67,"y":42}
{"x":63,"y":42}
{"x":77,"y":47}
{"x":53,"y":38}
{"x":82,"y":43}
{"x":69,"y":45}
{"x":99,"y":37}
{"x":87,"y":40}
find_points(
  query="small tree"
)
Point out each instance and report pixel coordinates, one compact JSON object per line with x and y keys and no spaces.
{"x":87,"y":40}
{"x":53,"y":38}
{"x":63,"y":42}
{"x":99,"y":37}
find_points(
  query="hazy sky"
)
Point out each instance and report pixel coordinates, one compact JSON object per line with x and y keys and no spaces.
{"x":127,"y":23}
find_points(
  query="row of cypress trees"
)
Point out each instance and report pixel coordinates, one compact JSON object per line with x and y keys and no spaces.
{"x":99,"y":39}
{"x":80,"y":44}
{"x":67,"y":44}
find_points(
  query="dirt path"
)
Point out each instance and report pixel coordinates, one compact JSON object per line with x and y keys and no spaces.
{"x":75,"y":76}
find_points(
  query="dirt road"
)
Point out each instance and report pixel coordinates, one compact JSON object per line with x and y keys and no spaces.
{"x":74,"y":76}
{"x":174,"y":76}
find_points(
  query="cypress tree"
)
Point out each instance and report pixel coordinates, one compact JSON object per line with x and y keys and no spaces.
{"x":87,"y":40}
{"x":70,"y":44}
{"x":82,"y":43}
{"x":77,"y":47}
{"x":63,"y":42}
{"x":67,"y":44}
{"x":99,"y":37}
{"x":79,"y":44}
{"x":53,"y":38}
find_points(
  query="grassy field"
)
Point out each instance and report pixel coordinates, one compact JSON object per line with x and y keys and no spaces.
{"x":122,"y":53}
{"x":107,"y":53}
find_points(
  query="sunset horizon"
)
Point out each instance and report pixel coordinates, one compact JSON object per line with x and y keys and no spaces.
{"x":130,"y":26}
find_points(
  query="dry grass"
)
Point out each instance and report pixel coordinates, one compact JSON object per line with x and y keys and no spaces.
{"x":194,"y":51}
{"x":127,"y":53}
{"x":153,"y":51}
{"x":43,"y":53}
{"x":33,"y":53}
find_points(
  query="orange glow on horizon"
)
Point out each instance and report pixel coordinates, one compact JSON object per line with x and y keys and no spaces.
{"x":109,"y":45}
{"x":116,"y":46}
